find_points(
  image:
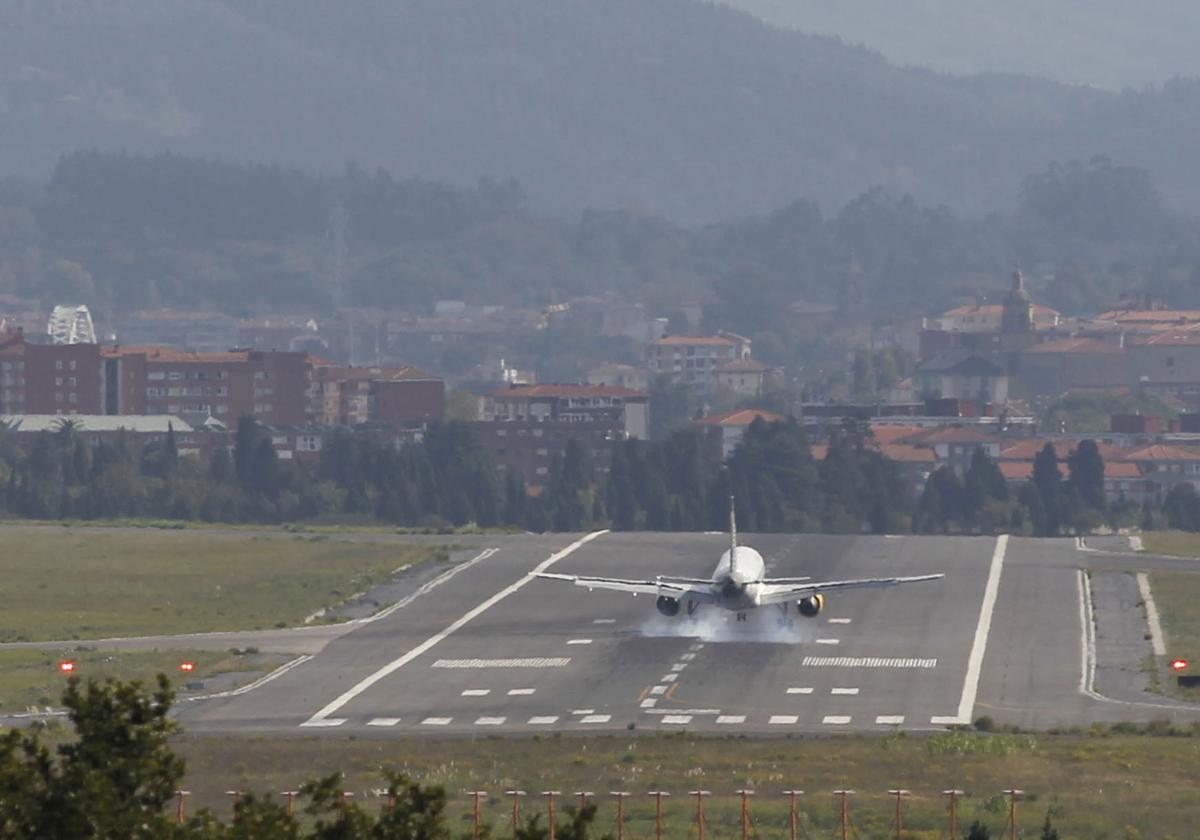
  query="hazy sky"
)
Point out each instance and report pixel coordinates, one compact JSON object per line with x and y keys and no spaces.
{"x":1107,"y":43}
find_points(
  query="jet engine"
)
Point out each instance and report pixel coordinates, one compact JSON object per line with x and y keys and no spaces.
{"x":667,"y":606}
{"x":811,"y":607}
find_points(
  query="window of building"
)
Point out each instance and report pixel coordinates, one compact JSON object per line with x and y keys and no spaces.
{"x":71,"y":397}
{"x":72,"y":365}
{"x":542,"y":470}
{"x":156,"y":375}
{"x":71,"y":380}
{"x":58,"y":381}
{"x":222,"y":409}
{"x":175,"y":375}
{"x":58,"y":365}
{"x":58,"y":396}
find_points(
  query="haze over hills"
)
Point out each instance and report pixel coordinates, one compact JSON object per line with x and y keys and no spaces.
{"x":1112,"y":44}
{"x":677,"y":107}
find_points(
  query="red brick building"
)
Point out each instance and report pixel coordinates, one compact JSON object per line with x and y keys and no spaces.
{"x":403,"y":397}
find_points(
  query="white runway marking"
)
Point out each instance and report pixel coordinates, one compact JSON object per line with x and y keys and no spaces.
{"x":649,"y":702}
{"x":436,"y":721}
{"x":697,"y":646}
{"x":476,"y":692}
{"x":890,"y":720}
{"x":365,"y":683}
{"x":543,"y":720}
{"x":836,"y":720}
{"x":668,"y":678}
{"x":678,"y":666}
{"x":1156,"y":633}
{"x":520,"y":692}
{"x":261,"y":681}
{"x":583,"y":711}
{"x":383,"y":722}
{"x":324,"y":722}
{"x":845,"y":691}
{"x":658,"y":689}
{"x":839,"y":621}
{"x":975,"y":663}
{"x":489,"y":721}
{"x":687,"y":657}
{"x":537,"y":662}
{"x":580,"y":642}
{"x":828,"y":641}
{"x":866,"y":662}
{"x":783,"y":720}
{"x":604,"y":621}
{"x":596,"y":719}
{"x":685,"y":712}
{"x":731,"y":718}
{"x":799,"y":691}
{"x":433,"y":584}
{"x":677,"y":719}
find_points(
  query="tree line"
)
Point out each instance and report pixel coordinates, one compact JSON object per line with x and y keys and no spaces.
{"x":681,"y":483}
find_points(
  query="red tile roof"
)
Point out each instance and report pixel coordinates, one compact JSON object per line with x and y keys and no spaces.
{"x":907,"y":454}
{"x":1015,"y":470}
{"x":1162,"y":452}
{"x":887,"y":434}
{"x":170,"y":354}
{"x":565,"y":391}
{"x":1121,"y":469}
{"x":1171,"y":338}
{"x":950,"y":434}
{"x":743,"y":366}
{"x":740,"y":417}
{"x":1027,"y":449}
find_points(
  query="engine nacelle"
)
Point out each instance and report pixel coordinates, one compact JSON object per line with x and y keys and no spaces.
{"x":667,"y":606}
{"x":811,"y":607}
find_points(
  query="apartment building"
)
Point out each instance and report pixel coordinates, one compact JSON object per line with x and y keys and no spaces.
{"x":694,"y":360}
{"x":403,"y":397}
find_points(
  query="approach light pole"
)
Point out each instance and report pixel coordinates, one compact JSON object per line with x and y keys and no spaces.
{"x":658,"y":798}
{"x":476,"y":797}
{"x":620,"y":795}
{"x":953,"y":794}
{"x":845,"y":797}
{"x":793,"y":821}
{"x":516,"y":807}
{"x":291,"y":800}
{"x":1012,"y":794}
{"x":899,"y":794}
{"x":550,"y":794}
{"x":745,"y":794}
{"x":179,"y":810}
{"x":699,"y":794}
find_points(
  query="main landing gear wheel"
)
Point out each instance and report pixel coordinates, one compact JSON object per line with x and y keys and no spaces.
{"x":741,"y":616}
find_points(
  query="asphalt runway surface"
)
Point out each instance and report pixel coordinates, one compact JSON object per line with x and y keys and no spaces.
{"x":483,"y":647}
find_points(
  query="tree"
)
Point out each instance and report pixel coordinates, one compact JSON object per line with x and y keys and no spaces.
{"x":978,"y":831}
{"x":1086,"y":468}
{"x":1182,"y":507}
{"x":1047,"y":478}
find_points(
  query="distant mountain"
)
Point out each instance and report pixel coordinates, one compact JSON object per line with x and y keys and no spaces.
{"x":1108,"y":43}
{"x":679,"y":107}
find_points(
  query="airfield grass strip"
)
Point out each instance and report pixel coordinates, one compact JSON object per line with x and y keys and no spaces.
{"x":63,"y":584}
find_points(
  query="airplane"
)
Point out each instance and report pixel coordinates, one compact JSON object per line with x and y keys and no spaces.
{"x":738,"y":584}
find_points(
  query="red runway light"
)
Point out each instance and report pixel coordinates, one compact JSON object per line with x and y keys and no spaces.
{"x":1179,"y":664}
{"x":66,"y":666}
{"x":187,"y":666}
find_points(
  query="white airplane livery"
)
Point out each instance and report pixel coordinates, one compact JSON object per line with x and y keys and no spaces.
{"x":738,"y":584}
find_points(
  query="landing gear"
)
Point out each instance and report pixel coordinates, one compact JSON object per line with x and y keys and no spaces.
{"x":741,"y":616}
{"x":692,"y":606}
{"x":784,"y":620}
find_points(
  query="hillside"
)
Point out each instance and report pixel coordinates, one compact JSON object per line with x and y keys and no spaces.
{"x":1108,"y":43}
{"x":676,"y":107}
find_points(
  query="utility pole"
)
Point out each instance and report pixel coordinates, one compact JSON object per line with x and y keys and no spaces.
{"x":620,"y":795}
{"x":516,"y":807}
{"x":793,"y":821}
{"x":899,"y":794}
{"x":476,"y":796}
{"x":179,"y":811}
{"x":658,"y":798}
{"x":745,"y":794}
{"x":291,"y":800}
{"x":550,"y":794}
{"x":699,"y":794}
{"x":845,"y":797}
{"x":583,"y":798}
{"x":953,"y":794}
{"x":1012,"y":794}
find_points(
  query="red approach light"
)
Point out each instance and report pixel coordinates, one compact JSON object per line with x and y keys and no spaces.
{"x":187,"y":666}
{"x":1179,"y":664}
{"x":66,"y":666}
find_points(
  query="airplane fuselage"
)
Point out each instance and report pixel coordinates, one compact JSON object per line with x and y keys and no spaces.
{"x":736,"y":578}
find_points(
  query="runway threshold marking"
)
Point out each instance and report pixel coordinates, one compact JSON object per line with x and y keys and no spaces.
{"x":383,"y":721}
{"x":731,"y":719}
{"x":979,"y":646}
{"x":844,"y":691}
{"x":839,"y":621}
{"x":867,"y":662}
{"x":677,"y":719}
{"x":433,"y":640}
{"x":436,"y":721}
{"x":796,"y":690}
{"x":520,"y":692}
{"x":890,"y":720}
{"x":476,"y":692}
{"x":836,"y":720}
{"x":543,"y":720}
{"x":828,"y":641}
{"x":325,"y":722}
{"x":533,"y":662}
{"x":489,"y":721}
{"x":580,"y":642}
{"x":783,"y":720}
{"x":595,"y":719}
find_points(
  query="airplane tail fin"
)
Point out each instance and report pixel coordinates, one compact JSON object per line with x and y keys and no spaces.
{"x":732,"y":536}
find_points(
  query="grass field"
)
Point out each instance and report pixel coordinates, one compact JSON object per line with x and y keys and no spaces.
{"x":65,"y":584}
{"x":32,"y":677}
{"x":1174,"y":543}
{"x":1177,"y":596}
{"x":1096,"y":786}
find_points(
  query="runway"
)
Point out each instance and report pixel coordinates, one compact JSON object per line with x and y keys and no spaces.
{"x":492,"y":650}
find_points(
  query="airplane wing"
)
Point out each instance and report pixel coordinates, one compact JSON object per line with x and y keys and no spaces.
{"x":662,"y":586}
{"x":774,"y":592}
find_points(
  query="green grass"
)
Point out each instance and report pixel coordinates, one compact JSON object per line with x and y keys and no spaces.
{"x":64,"y":584}
{"x":1096,"y":784}
{"x":1177,"y":596}
{"x":32,"y":677}
{"x":1173,"y":543}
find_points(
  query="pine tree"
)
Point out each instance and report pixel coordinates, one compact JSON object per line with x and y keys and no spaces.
{"x":1047,"y":478}
{"x":1086,"y":468}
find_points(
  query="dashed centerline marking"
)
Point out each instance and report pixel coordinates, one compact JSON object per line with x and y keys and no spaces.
{"x":799,"y":691}
{"x":836,"y":720}
{"x":678,"y":666}
{"x":687,"y":657}
{"x":520,"y":692}
{"x":604,"y":621}
{"x":383,"y":722}
{"x":489,"y":721}
{"x":579,"y":642}
{"x":436,"y":721}
{"x":839,"y":621}
{"x":731,"y":719}
{"x":476,"y":692}
{"x":891,"y":720}
{"x":677,"y":720}
{"x":583,"y":711}
{"x":828,"y":641}
{"x":846,"y":691}
{"x":543,"y":720}
{"x":324,"y":722}
{"x":783,"y":720}
{"x":596,"y":719}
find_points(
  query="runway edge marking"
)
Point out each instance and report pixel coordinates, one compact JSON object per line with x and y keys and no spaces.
{"x":401,"y":661}
{"x":975,"y":663}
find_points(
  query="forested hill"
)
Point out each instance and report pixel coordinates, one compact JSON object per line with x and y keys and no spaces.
{"x":678,"y":107}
